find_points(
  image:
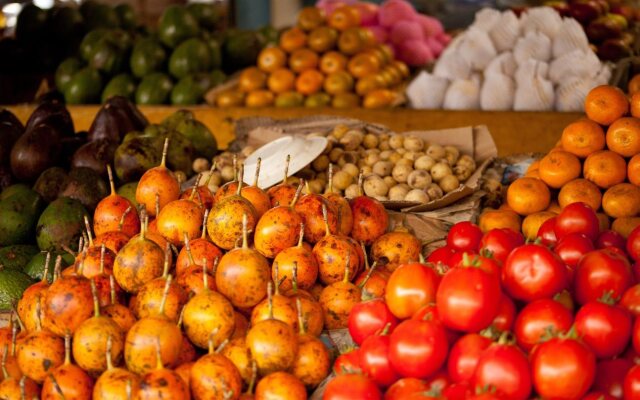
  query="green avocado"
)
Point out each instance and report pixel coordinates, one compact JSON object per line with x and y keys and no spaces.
{"x":190,"y":89}
{"x":121,"y":38}
{"x":200,"y":137}
{"x":176,"y":25}
{"x":172,"y":121}
{"x":181,"y":153}
{"x":154,"y":88}
{"x":17,"y":256}
{"x":12,"y":284}
{"x":216,"y":52}
{"x":120,"y":85}
{"x":126,"y":16}
{"x":61,"y":224}
{"x":148,"y":56}
{"x":191,"y":56}
{"x":19,"y":212}
{"x":128,"y":191}
{"x":240,"y":50}
{"x":14,"y":189}
{"x":84,"y":88}
{"x":36,"y":266}
{"x":107,"y":57}
{"x":89,"y":42}
{"x":101,"y":16}
{"x":65,"y":72}
{"x":137,"y":153}
{"x":206,"y":14}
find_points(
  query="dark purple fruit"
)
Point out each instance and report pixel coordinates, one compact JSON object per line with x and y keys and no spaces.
{"x":36,"y":150}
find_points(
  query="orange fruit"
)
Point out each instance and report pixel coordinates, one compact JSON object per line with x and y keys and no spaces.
{"x":528,"y":195}
{"x":535,"y":165}
{"x":363,"y":64}
{"x":338,"y":82}
{"x":580,"y":190}
{"x":604,"y":221}
{"x":605,"y":104}
{"x":293,"y":39}
{"x":310,"y":18}
{"x":271,"y":58}
{"x":532,"y":222}
{"x":352,"y":41}
{"x":623,"y":136}
{"x":625,"y":225}
{"x":402,"y":67}
{"x":333,"y":62}
{"x":252,"y":79}
{"x":309,"y":82}
{"x":303,"y":59}
{"x":635,"y":105}
{"x":558,"y":168}
{"x":259,"y":98}
{"x":583,"y":137}
{"x":605,"y":168}
{"x":622,"y":200}
{"x":230,"y":98}
{"x":289,"y":99}
{"x":369,"y":84}
{"x":633,"y":170}
{"x":379,"y":98}
{"x":497,"y":219}
{"x":322,"y":39}
{"x":554,"y":207}
{"x":281,"y":80}
{"x":343,"y":18}
{"x":345,"y":100}
{"x":633,"y":86}
{"x":505,"y":206}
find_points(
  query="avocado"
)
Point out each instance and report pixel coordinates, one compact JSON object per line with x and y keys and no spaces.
{"x":200,"y":136}
{"x":154,"y":88}
{"x":85,"y":185}
{"x":17,"y":256}
{"x":120,"y":85}
{"x":137,"y":153}
{"x":187,"y":91}
{"x":207,"y":14}
{"x":12,"y":284}
{"x":191,"y":56}
{"x":181,"y":153}
{"x":176,"y":25}
{"x":107,"y":57}
{"x":121,"y":38}
{"x":216,"y":53}
{"x":19,"y":212}
{"x":89,"y":42}
{"x":240,"y":50}
{"x":148,"y":56}
{"x":101,"y":16}
{"x":128,"y":191}
{"x":65,"y":72}
{"x":172,"y":121}
{"x":36,"y":150}
{"x":31,"y":23}
{"x":67,"y":27}
{"x":54,"y":114}
{"x":10,"y":132}
{"x":14,"y":189}
{"x":61,"y":224}
{"x":218,"y":77}
{"x":6,"y":178}
{"x":126,"y":16}
{"x":117,"y":117}
{"x":35,"y":266}
{"x":50,"y":182}
{"x":95,"y":155}
{"x":84,"y":88}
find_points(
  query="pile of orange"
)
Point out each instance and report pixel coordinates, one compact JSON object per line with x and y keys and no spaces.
{"x":596,"y":161}
{"x":323,"y":61}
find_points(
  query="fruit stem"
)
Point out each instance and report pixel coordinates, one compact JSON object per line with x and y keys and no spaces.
{"x":346,"y":268}
{"x":112,"y":185}
{"x":127,"y":389}
{"x":108,"y":354}
{"x":205,"y":277}
{"x":235,"y":167}
{"x":165,"y":150}
{"x":14,"y":340}
{"x":157,"y":204}
{"x":86,"y":224}
{"x":112,"y":289}
{"x":102,"y":252}
{"x":294,"y":278}
{"x":165,"y":294}
{"x":270,"y":299}
{"x":297,"y":195}
{"x":45,"y":274}
{"x":181,"y":317}
{"x":124,"y":215}
{"x":360,"y":183}
{"x":368,"y":276}
{"x":38,"y":315}
{"x":301,"y":322}
{"x":325,"y":219}
{"x":210,"y":345}
{"x":257,"y":176}
{"x":67,"y":348}
{"x":276,"y":271}
{"x":222,"y":345}
{"x":167,"y":264}
{"x":306,"y":186}
{"x":80,"y":267}
{"x":366,"y":257}
{"x":206,"y":181}
{"x":330,"y":178}
{"x":254,"y":375}
{"x":159,"y":364}
{"x":94,"y":295}
{"x":3,"y":364}
{"x":301,"y":236}
{"x":240,"y":179}
{"x":245,"y":242}
{"x":194,"y":189}
{"x":286,"y":169}
{"x":204,"y":224}
{"x":57,"y":268}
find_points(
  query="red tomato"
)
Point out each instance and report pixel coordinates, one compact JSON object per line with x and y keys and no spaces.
{"x":577,"y":218}
{"x":610,"y":376}
{"x":500,"y":242}
{"x":505,"y":368}
{"x":458,"y":257}
{"x":562,"y":369}
{"x":605,"y":328}
{"x":506,"y":314}
{"x":464,"y":356}
{"x":610,"y":238}
{"x":405,"y":387}
{"x":636,"y":271}
{"x":431,"y":311}
{"x":352,"y":386}
{"x":441,"y":256}
{"x":633,"y":244}
{"x":598,"y":396}
{"x":369,"y":317}
{"x":439,"y":381}
{"x":348,"y":363}
{"x":486,"y":263}
{"x":572,"y":247}
{"x":636,"y":335}
{"x":410,"y":287}
{"x":488,"y":395}
{"x":565,"y":299}
{"x":632,"y":384}
{"x":599,"y":272}
{"x":464,"y":236}
{"x":539,"y":317}
{"x":418,"y":348}
{"x":457,"y":391}
{"x":375,"y":361}
{"x":468,"y":299}
{"x":631,"y":300}
{"x":547,"y":233}
{"x":533,"y":272}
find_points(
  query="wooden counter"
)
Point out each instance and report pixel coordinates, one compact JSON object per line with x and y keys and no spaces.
{"x":513,"y":132}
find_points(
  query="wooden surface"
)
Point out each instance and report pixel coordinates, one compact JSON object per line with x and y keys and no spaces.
{"x":513,"y":132}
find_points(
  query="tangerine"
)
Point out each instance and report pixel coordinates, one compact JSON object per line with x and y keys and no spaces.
{"x":622,"y":200}
{"x":303,"y":59}
{"x":259,"y":98}
{"x":252,"y":79}
{"x":310,"y":18}
{"x":605,"y":104}
{"x":605,"y":168}
{"x":281,"y":80}
{"x":633,"y":170}
{"x":271,"y":59}
{"x":580,"y":190}
{"x":633,"y":86}
{"x":352,"y":41}
{"x":583,"y":137}
{"x":309,"y":82}
{"x":333,"y":61}
{"x":344,"y":17}
{"x":338,"y":82}
{"x":322,"y":39}
{"x":528,"y":195}
{"x":623,"y":136}
{"x":293,"y":39}
{"x":558,"y":168}
{"x":363,"y":64}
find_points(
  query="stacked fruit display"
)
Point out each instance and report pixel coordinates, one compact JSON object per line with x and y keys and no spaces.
{"x":323,"y":61}
{"x":490,"y":317}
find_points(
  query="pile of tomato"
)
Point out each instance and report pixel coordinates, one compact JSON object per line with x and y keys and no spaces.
{"x":489,"y":316}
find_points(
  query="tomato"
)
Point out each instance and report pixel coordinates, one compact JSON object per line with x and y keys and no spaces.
{"x":430,"y":311}
{"x":505,"y":368}
{"x":500,"y":242}
{"x":636,"y":271}
{"x":410,"y":287}
{"x":547,"y":233}
{"x":375,"y":361}
{"x":488,"y":395}
{"x":538,"y":318}
{"x":633,"y":244}
{"x":533,"y":272}
{"x":464,"y":356}
{"x":457,"y":391}
{"x":486,"y":263}
{"x":506,"y":314}
{"x":352,"y":386}
{"x":577,"y":218}
{"x":632,"y":384}
{"x":348,"y":363}
{"x":439,"y":381}
{"x":599,"y":272}
{"x":565,"y":299}
{"x":631,"y":300}
{"x":572,"y":247}
{"x":468,"y":299}
{"x":610,"y":376}
{"x":605,"y":328}
{"x":598,"y":396}
{"x":441,"y":256}
{"x":458,"y":257}
{"x":405,"y":387}
{"x":562,"y":368}
{"x":369,"y":317}
{"x":417,"y":349}
{"x":610,"y":238}
{"x":464,"y":236}
{"x":636,"y":335}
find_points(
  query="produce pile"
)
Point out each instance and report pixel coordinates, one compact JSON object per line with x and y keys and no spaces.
{"x":535,"y":62}
{"x":324,"y":60}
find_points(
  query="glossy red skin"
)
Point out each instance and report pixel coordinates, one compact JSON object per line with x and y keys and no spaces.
{"x":486,"y":263}
{"x":632,"y":384}
{"x":487,"y":396}
{"x":430,"y":312}
{"x":635,"y":336}
{"x":636,"y":271}
{"x":348,"y":363}
{"x":610,"y":238}
{"x":577,"y":218}
{"x":533,"y":272}
{"x":410,"y":287}
{"x":547,"y":233}
{"x":572,"y":247}
{"x":457,"y":391}
{"x":610,"y":376}
{"x":562,"y":369}
{"x":536,"y":318}
{"x":599,"y":272}
{"x":604,"y":328}
{"x":598,"y":396}
{"x":458,"y":257}
{"x":369,"y":317}
{"x":464,"y":236}
{"x":468,"y":299}
{"x":439,"y":380}
{"x":375,"y":361}
{"x":500,"y":242}
{"x":506,"y":316}
{"x":418,"y":348}
{"x":352,"y":386}
{"x":464,"y":356}
{"x":506,"y":368}
{"x":441,"y":255}
{"x":633,"y":244}
{"x":405,"y":387}
{"x":631,"y":300}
